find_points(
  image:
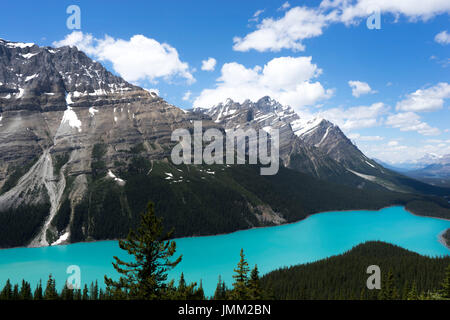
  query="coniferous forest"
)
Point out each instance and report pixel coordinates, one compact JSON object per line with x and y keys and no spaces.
{"x":405,"y":275}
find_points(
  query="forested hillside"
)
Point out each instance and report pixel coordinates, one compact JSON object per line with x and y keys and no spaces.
{"x":405,"y":274}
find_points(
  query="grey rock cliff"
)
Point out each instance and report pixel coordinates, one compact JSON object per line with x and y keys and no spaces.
{"x":58,"y":104}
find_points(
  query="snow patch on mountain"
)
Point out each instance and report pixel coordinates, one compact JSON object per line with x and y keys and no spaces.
{"x":31,"y":77}
{"x":302,"y":126}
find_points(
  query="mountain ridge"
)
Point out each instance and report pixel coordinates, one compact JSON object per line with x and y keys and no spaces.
{"x":313,"y":146}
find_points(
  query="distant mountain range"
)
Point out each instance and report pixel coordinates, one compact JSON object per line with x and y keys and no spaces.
{"x":431,"y":168}
{"x":82,"y":151}
{"x":425,"y":160}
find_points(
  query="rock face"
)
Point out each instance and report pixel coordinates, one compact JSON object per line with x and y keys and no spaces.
{"x":329,"y":139}
{"x":313,"y":146}
{"x":268,"y":114}
{"x":55,"y":106}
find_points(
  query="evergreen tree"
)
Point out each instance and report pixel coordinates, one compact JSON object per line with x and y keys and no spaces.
{"x":15,"y":295}
{"x":67,"y":293}
{"x":170,"y":292}
{"x":445,"y":286}
{"x":240,"y":290}
{"x":182,"y":291}
{"x":76,"y":294}
{"x":199,"y":293}
{"x":50,"y":291}
{"x":220,"y":293}
{"x":412,"y":294}
{"x":94,"y":291}
{"x":388,"y":289}
{"x":25,"y":291}
{"x":186,"y":291}
{"x":145,"y":277}
{"x":362,"y":295}
{"x":85,"y":293}
{"x":405,"y":291}
{"x":38,"y":292}
{"x":7,"y":292}
{"x":101,"y":295}
{"x":254,"y":285}
{"x":181,"y":284}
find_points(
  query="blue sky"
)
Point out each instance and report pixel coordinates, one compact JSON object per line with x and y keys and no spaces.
{"x":304,"y":53}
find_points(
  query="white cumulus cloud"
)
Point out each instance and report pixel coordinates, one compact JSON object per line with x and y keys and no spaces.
{"x":429,"y":99}
{"x":136,"y":59}
{"x":187,"y":95}
{"x":289,"y":80}
{"x":410,"y":121}
{"x":412,"y":9}
{"x":300,"y":23}
{"x":359,"y":88}
{"x":442,"y":37}
{"x":355,"y":117}
{"x":209,"y":64}
{"x":284,"y":6}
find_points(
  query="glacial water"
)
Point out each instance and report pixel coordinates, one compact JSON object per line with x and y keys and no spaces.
{"x":317,"y":237}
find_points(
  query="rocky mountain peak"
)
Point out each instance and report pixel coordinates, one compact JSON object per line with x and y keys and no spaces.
{"x":35,"y":76}
{"x":61,"y":116}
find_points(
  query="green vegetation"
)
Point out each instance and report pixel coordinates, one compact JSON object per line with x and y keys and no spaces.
{"x":61,"y":220}
{"x":17,"y":173}
{"x":18,"y":226}
{"x":446,"y":236}
{"x":59,"y":161}
{"x":98,"y":165}
{"x":405,"y":275}
{"x":145,"y":277}
{"x":434,"y":207}
{"x":137,"y":148}
{"x":103,"y":213}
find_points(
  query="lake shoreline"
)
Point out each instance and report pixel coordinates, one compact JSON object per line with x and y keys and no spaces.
{"x":310,"y":215}
{"x":260,"y":227}
{"x":442,"y":240}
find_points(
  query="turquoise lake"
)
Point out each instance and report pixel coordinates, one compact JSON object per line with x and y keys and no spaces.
{"x":317,"y":237}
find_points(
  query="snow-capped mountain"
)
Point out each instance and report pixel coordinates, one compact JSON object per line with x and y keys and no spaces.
{"x":431,"y":158}
{"x":313,"y":146}
{"x":329,"y":138}
{"x":318,"y":138}
{"x":263,"y":114}
{"x":416,"y":164}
